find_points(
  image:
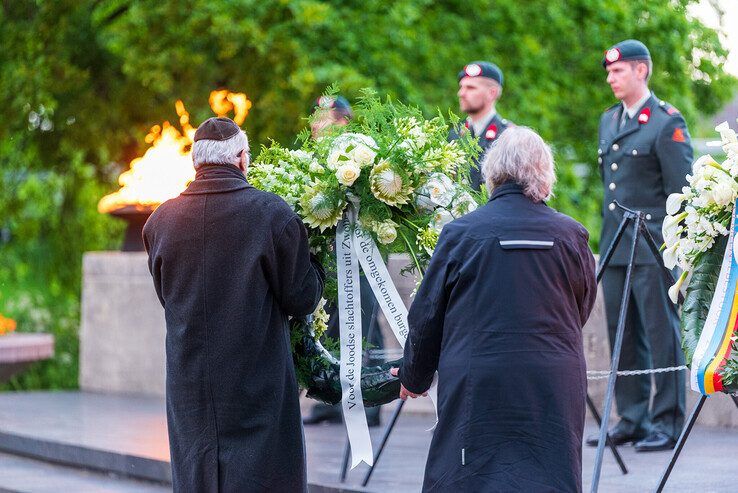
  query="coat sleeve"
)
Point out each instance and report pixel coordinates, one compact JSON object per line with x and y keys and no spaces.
{"x":294,"y":275}
{"x":674,"y":150}
{"x":589,"y":281}
{"x":426,"y":317}
{"x":154,"y":262}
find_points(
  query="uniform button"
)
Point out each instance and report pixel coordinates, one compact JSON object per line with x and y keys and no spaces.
{"x":614,"y":166}
{"x":612,"y":186}
{"x":615,"y":147}
{"x":611,"y":206}
{"x":661,"y":103}
{"x":599,"y":151}
{"x":635,"y":152}
{"x":599,"y":160}
{"x":648,"y":216}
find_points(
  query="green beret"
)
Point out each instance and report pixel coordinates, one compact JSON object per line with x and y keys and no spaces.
{"x":630,"y":49}
{"x":482,"y":69}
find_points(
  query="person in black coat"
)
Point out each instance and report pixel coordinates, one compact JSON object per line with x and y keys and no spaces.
{"x":480,"y":87}
{"x":499,"y":315}
{"x":230,"y":263}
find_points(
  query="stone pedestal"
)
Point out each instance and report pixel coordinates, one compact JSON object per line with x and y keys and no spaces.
{"x":20,"y":350}
{"x":123,"y":329}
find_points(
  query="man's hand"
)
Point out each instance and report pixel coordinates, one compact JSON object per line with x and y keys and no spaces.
{"x":404,"y":393}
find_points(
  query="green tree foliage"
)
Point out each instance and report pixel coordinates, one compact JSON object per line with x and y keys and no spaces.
{"x":81,"y":81}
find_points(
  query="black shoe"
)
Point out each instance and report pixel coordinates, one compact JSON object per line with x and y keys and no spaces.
{"x":323,"y":414}
{"x":617,"y":436}
{"x":654,"y":442}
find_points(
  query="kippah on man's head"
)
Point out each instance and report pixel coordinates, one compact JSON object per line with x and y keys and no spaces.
{"x":630,"y":49}
{"x":216,"y":129}
{"x":482,"y":69}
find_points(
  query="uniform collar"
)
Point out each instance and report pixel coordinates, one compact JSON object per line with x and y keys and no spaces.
{"x":633,"y":124}
{"x":504,"y":189}
{"x":481,"y":125}
{"x":216,"y":178}
{"x":639,"y":104}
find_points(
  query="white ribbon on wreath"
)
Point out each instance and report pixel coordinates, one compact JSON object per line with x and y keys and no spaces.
{"x":355,"y":247}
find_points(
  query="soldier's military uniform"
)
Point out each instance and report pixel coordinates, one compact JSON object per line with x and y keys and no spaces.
{"x":641,"y":162}
{"x":493,"y":127}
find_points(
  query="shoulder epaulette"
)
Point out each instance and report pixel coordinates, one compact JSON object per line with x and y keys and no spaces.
{"x":669,"y":109}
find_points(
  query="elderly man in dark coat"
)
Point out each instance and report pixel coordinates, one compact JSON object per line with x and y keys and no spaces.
{"x":499,"y":314}
{"x":230,"y":263}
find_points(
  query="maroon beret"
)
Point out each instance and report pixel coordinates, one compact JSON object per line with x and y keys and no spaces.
{"x":216,"y":129}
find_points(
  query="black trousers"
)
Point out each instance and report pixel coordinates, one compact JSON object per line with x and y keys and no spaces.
{"x":649,"y":341}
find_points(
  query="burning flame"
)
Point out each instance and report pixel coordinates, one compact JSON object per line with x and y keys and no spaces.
{"x":165,"y":169}
{"x":7,"y":325}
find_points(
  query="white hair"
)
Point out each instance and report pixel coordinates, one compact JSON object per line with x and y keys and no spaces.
{"x":220,"y":151}
{"x":521,"y":155}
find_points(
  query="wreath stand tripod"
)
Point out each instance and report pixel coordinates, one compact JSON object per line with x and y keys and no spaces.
{"x":639,"y":228}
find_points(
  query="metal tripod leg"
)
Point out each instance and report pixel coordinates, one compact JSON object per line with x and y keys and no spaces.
{"x":617,"y":347}
{"x":610,"y":443}
{"x":385,"y":437}
{"x":680,"y":443}
{"x":604,"y":262}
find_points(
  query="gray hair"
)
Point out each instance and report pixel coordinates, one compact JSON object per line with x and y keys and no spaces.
{"x":220,"y":151}
{"x":521,"y":155}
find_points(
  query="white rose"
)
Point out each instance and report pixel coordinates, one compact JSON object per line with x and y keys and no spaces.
{"x":348,"y":173}
{"x":363,"y":155}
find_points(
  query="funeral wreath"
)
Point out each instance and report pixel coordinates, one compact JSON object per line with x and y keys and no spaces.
{"x":390,"y":176}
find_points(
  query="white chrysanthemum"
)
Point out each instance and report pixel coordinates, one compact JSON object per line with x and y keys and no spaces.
{"x":363,"y":155}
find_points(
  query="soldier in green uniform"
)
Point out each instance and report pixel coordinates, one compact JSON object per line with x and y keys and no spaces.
{"x":644,"y":155}
{"x":480,"y":87}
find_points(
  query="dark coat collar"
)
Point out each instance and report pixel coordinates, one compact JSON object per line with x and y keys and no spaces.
{"x":212,"y":178}
{"x":504,"y":189}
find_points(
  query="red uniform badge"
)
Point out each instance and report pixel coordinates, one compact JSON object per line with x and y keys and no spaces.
{"x":678,"y":135}
{"x":612,"y":55}
{"x":644,"y":116}
{"x":491,"y":132}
